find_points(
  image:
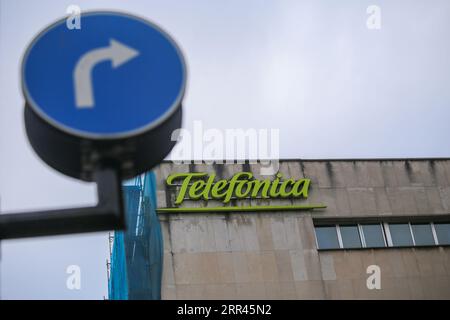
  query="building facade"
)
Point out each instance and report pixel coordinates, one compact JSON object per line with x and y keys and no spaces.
{"x":349,"y":229}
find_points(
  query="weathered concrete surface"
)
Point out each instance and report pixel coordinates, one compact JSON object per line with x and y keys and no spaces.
{"x":274,"y":255}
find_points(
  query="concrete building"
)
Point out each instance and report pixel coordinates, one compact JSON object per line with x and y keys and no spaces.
{"x":386,"y":225}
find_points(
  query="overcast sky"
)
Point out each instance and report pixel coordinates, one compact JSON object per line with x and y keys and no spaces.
{"x":312,"y":69}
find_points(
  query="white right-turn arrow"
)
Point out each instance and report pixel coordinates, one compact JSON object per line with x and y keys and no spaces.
{"x":117,"y":52}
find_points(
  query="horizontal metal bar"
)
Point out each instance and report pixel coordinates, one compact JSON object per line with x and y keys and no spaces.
{"x":241,"y":208}
{"x":54,"y":222}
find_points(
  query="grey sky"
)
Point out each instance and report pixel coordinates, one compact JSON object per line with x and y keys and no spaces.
{"x":310,"y":68}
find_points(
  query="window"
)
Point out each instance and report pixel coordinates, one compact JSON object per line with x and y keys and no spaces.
{"x":401,"y":234}
{"x":373,"y":235}
{"x":442,"y":233}
{"x":350,"y":236}
{"x":381,"y":235}
{"x":327,"y":237}
{"x":423,"y":235}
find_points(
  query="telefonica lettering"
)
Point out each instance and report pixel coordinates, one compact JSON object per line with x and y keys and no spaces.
{"x":243,"y":185}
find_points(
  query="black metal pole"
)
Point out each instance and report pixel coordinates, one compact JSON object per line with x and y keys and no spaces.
{"x":108,"y":214}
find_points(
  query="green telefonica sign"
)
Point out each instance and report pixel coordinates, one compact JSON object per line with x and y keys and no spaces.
{"x":202,"y":186}
{"x":241,"y":185}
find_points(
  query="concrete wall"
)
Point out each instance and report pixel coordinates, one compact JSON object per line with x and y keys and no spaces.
{"x":274,"y":255}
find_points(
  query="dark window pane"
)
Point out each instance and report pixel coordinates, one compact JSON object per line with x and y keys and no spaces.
{"x":350,"y":237}
{"x":373,"y":235}
{"x":423,"y":236}
{"x":443,"y":232}
{"x":327,"y":237}
{"x":401,"y":235}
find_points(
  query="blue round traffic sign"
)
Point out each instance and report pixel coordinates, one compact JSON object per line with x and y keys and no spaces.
{"x":117,"y":76}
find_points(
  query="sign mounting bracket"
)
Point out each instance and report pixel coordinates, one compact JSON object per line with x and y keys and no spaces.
{"x":108,"y":214}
